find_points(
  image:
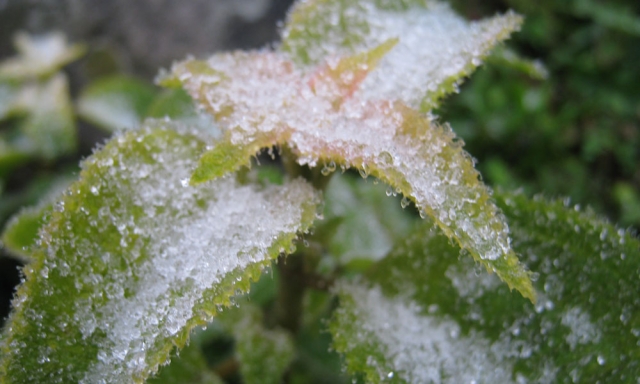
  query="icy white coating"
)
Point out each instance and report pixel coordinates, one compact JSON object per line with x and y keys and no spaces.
{"x":582,"y":330}
{"x":261,"y":93}
{"x":424,"y":349}
{"x":39,"y":54}
{"x":436,"y":45}
{"x":190,"y":249}
{"x":471,"y":282}
{"x":50,"y":128}
{"x":153,"y":248}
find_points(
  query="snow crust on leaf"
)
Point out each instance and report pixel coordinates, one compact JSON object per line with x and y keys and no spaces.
{"x":49,"y":129}
{"x":260,"y":99}
{"x":436,"y":49}
{"x":584,"y":327}
{"x":39,"y":55}
{"x":395,"y":340}
{"x":134,"y":258}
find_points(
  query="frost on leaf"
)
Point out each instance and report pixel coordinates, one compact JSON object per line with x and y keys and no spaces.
{"x":21,"y":232}
{"x":49,"y":126}
{"x":260,"y":99}
{"x":133,"y":258}
{"x":39,"y":56}
{"x":47,"y":130}
{"x":423,"y":315}
{"x":436,"y":48}
{"x":390,"y":340}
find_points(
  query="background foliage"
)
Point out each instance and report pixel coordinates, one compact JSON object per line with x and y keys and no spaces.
{"x":576,"y":133}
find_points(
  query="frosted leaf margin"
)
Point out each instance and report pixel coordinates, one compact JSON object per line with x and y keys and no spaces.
{"x":260,"y":99}
{"x":421,"y":297}
{"x":134,"y":258}
{"x":437,"y":48}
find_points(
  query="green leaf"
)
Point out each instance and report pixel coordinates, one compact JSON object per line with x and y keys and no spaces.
{"x":47,"y":130}
{"x":133,"y":258}
{"x":39,"y":56}
{"x":511,"y":59}
{"x":116,"y":102}
{"x":260,"y":99}
{"x":226,"y":157}
{"x":436,"y":48}
{"x":49,"y":127}
{"x":177,"y":105}
{"x":370,"y":220}
{"x":263,"y":354}
{"x":424,"y":315}
{"x":172,"y":103}
{"x":21,"y":233}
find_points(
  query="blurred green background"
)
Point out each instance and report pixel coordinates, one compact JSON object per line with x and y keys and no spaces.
{"x":574,"y":134}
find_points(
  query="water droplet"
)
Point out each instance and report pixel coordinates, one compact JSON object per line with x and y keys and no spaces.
{"x":389,"y":191}
{"x":603,"y":234}
{"x":184,"y":182}
{"x":385,"y":158}
{"x":59,"y":207}
{"x":95,"y":190}
{"x":364,"y":171}
{"x":390,"y":375}
{"x":404,"y":202}
{"x":328,"y":168}
{"x":534,"y":276}
{"x":601,"y":360}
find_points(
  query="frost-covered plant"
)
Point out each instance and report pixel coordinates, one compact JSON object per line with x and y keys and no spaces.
{"x":33,"y":89}
{"x":166,"y":227}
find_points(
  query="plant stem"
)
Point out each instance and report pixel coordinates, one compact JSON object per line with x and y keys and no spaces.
{"x":288,"y":310}
{"x":295,"y":268}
